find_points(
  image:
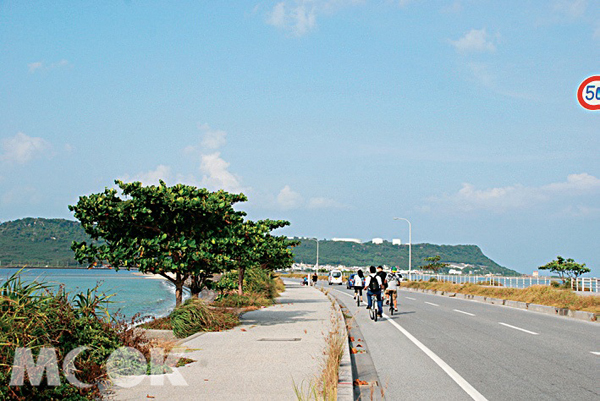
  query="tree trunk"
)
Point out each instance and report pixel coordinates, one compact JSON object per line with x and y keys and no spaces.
{"x":178,"y":289}
{"x":241,"y":280}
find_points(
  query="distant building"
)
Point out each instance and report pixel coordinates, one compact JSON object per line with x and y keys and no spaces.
{"x":346,"y":240}
{"x":396,"y":241}
{"x":377,"y":241}
{"x":536,"y":273}
{"x":454,"y":271}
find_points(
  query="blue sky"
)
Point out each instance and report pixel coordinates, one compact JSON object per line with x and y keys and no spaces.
{"x":337,"y":115}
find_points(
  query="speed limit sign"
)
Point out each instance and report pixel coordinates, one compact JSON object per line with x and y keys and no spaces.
{"x":588,"y":93}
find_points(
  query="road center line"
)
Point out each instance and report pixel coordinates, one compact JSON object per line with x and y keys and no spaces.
{"x":413,"y":299}
{"x":595,"y":353}
{"x":462,"y":311}
{"x":431,"y":303}
{"x":518,"y":328}
{"x":458,"y":379}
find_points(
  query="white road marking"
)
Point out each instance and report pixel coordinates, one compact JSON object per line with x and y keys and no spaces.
{"x":595,"y":353}
{"x":414,"y":299}
{"x":431,"y":303}
{"x":461,"y":311}
{"x":518,"y":328}
{"x":458,"y":379}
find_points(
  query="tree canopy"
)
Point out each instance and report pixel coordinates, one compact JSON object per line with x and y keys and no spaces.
{"x":567,"y":269}
{"x":434,"y":264}
{"x":176,"y":232}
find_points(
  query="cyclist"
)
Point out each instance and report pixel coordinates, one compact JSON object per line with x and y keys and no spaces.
{"x":359,"y":280}
{"x":373,"y":285}
{"x":383,"y":276}
{"x":393,"y":282}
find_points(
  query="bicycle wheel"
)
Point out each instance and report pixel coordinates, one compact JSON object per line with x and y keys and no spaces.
{"x":357,"y":299}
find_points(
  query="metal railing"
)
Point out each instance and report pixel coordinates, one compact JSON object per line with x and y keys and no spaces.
{"x":581,"y":284}
{"x":591,"y":284}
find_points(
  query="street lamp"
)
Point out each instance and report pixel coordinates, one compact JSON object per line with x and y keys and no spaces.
{"x":409,"y":246}
{"x":317,"y":265}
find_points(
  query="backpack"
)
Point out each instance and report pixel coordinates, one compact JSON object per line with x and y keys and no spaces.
{"x":374,"y":284}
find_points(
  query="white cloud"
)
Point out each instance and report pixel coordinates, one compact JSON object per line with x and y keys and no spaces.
{"x":151,"y":177}
{"x":213,"y":139}
{"x":289,"y":199}
{"x":22,"y":148}
{"x":216,"y":174}
{"x":39,"y":65}
{"x":34,"y":66}
{"x":299,"y":17}
{"x":324,"y":203}
{"x":515,"y":197}
{"x":570,"y":8}
{"x":476,"y":40}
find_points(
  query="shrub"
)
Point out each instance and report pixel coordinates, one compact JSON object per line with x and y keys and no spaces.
{"x":32,"y":316}
{"x":195,"y":316}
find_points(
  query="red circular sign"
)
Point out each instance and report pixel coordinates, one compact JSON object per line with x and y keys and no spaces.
{"x":588,"y":93}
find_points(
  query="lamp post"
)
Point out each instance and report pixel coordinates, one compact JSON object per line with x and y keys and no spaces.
{"x":317,"y":265}
{"x":409,"y":246}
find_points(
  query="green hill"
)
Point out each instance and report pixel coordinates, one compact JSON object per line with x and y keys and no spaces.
{"x":39,"y":242}
{"x":366,"y":254}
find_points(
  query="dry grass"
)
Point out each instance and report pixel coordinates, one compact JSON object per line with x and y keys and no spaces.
{"x":325,"y":386}
{"x":537,"y":294}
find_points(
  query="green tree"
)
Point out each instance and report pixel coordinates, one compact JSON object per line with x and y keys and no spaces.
{"x":255,"y":246}
{"x":179,"y":232}
{"x":567,"y":269}
{"x":434,"y":264}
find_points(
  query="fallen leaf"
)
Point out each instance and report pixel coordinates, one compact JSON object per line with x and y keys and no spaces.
{"x":360,"y":383}
{"x":358,"y":345}
{"x":150,"y":396}
{"x":353,"y":351}
{"x":205,"y":380}
{"x":351,"y":338}
{"x":305,"y":332}
{"x":242,"y":329}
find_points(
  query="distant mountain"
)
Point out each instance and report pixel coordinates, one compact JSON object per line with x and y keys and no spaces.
{"x":368,"y":253}
{"x":39,"y":242}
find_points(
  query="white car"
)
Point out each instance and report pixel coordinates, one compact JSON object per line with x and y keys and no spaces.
{"x":335,"y":277}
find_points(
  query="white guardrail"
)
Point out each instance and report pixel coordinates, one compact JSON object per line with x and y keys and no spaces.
{"x":591,"y":284}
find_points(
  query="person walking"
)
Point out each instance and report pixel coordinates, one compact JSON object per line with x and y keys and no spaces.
{"x":374,"y":285}
{"x":314,"y":278}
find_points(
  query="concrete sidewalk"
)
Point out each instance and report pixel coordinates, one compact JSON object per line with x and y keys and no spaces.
{"x":260,"y":359}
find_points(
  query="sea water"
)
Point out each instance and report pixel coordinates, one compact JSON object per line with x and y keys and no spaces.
{"x":133,"y":293}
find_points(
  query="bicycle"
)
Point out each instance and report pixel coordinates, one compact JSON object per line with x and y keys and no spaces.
{"x":374,"y":311}
{"x":392,"y":309}
{"x":358,"y":297}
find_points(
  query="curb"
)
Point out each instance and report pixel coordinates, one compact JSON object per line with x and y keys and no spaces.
{"x":345,"y":388}
{"x":548,"y":310}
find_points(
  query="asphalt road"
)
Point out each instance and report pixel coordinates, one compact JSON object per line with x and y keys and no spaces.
{"x":441,"y":348}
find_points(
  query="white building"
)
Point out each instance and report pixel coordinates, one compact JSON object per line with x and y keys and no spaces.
{"x":377,"y":241}
{"x":396,"y":241}
{"x":346,"y":240}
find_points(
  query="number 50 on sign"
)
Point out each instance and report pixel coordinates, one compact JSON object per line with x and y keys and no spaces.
{"x":588,"y":93}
